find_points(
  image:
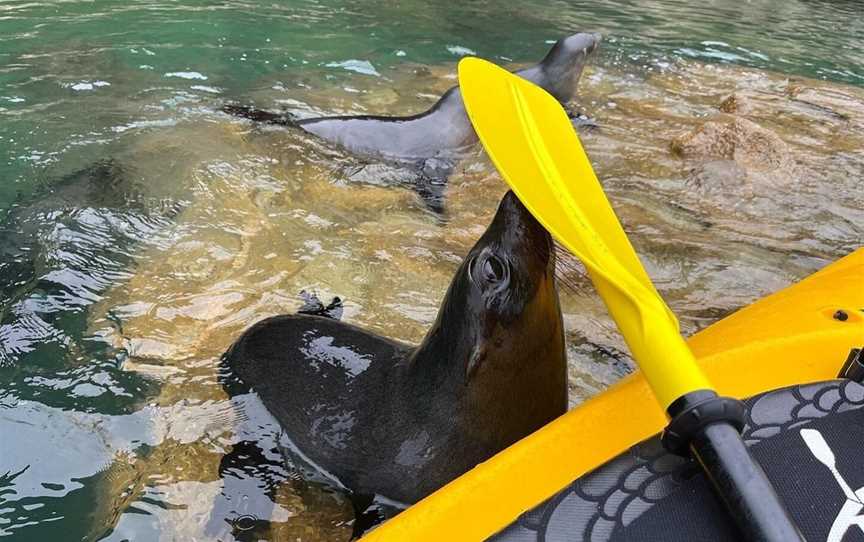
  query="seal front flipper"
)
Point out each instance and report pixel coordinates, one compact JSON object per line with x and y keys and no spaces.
{"x":432,"y":182}
{"x":261,"y":490}
{"x":427,"y":177}
{"x":246,"y":501}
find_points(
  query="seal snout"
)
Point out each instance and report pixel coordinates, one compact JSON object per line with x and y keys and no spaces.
{"x":521,"y":232}
{"x":586,"y":42}
{"x":512,"y":207}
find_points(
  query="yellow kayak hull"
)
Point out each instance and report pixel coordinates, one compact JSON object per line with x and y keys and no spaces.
{"x":791,"y":337}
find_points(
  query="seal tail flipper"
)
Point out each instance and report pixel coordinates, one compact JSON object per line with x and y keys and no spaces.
{"x":313,"y":305}
{"x":259,"y":115}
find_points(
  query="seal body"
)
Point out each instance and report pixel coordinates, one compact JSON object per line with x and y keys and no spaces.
{"x":399,"y":421}
{"x":431,"y":141}
{"x":445,"y":127}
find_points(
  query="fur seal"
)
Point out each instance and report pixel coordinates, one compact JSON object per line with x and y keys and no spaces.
{"x":430,"y":142}
{"x":398,"y":421}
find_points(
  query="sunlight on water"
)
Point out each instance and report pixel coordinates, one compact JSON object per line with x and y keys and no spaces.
{"x":142,"y":230}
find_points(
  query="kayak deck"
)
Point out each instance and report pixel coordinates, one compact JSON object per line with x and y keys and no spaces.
{"x":799,"y":335}
{"x":647,"y":494}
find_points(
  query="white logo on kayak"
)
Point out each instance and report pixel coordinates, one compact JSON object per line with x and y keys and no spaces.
{"x":850,"y":515}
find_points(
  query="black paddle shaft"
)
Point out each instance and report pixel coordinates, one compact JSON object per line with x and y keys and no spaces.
{"x":710,"y":426}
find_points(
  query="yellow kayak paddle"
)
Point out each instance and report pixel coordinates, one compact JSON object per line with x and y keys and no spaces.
{"x":532,"y":143}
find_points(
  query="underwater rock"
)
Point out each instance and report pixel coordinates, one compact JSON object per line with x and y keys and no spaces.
{"x":736,"y":103}
{"x":839,"y":104}
{"x":741,"y":140}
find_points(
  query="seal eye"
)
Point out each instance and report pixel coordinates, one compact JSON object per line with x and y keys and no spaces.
{"x":493,"y":269}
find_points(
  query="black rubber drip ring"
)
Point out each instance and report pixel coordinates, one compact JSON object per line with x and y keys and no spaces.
{"x":691,"y":413}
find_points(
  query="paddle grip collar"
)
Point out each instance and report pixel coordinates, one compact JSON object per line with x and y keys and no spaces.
{"x":691,"y":413}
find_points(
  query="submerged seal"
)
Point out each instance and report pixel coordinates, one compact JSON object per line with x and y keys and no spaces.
{"x":390,"y":419}
{"x":430,"y":142}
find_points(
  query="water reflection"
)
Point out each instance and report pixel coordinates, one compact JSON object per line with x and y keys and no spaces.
{"x":62,"y":251}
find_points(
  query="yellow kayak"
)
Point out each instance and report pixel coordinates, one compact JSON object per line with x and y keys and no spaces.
{"x":799,"y":335}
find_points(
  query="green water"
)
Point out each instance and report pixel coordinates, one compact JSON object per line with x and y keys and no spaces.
{"x":48,"y":48}
{"x":121,"y":283}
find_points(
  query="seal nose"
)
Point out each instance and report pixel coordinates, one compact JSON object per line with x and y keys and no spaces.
{"x":597,"y":38}
{"x":584,"y":41}
{"x":517,"y":217}
{"x":515,"y":231}
{"x":511,"y":204}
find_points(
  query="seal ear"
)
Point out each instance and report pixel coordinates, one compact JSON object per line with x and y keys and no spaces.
{"x":478,"y":355}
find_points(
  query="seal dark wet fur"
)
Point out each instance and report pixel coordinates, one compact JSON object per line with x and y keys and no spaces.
{"x":387,"y":418}
{"x":431,"y":141}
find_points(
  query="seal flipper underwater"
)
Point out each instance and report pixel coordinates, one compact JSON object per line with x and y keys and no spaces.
{"x":390,"y":419}
{"x":432,"y":141}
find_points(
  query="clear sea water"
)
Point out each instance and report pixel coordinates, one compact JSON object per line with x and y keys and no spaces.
{"x":141,"y":229}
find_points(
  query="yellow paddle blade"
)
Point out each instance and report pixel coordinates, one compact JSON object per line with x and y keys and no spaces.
{"x":533,"y":145}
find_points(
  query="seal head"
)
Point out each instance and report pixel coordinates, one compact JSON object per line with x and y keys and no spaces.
{"x":563,"y":64}
{"x":505,"y":375}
